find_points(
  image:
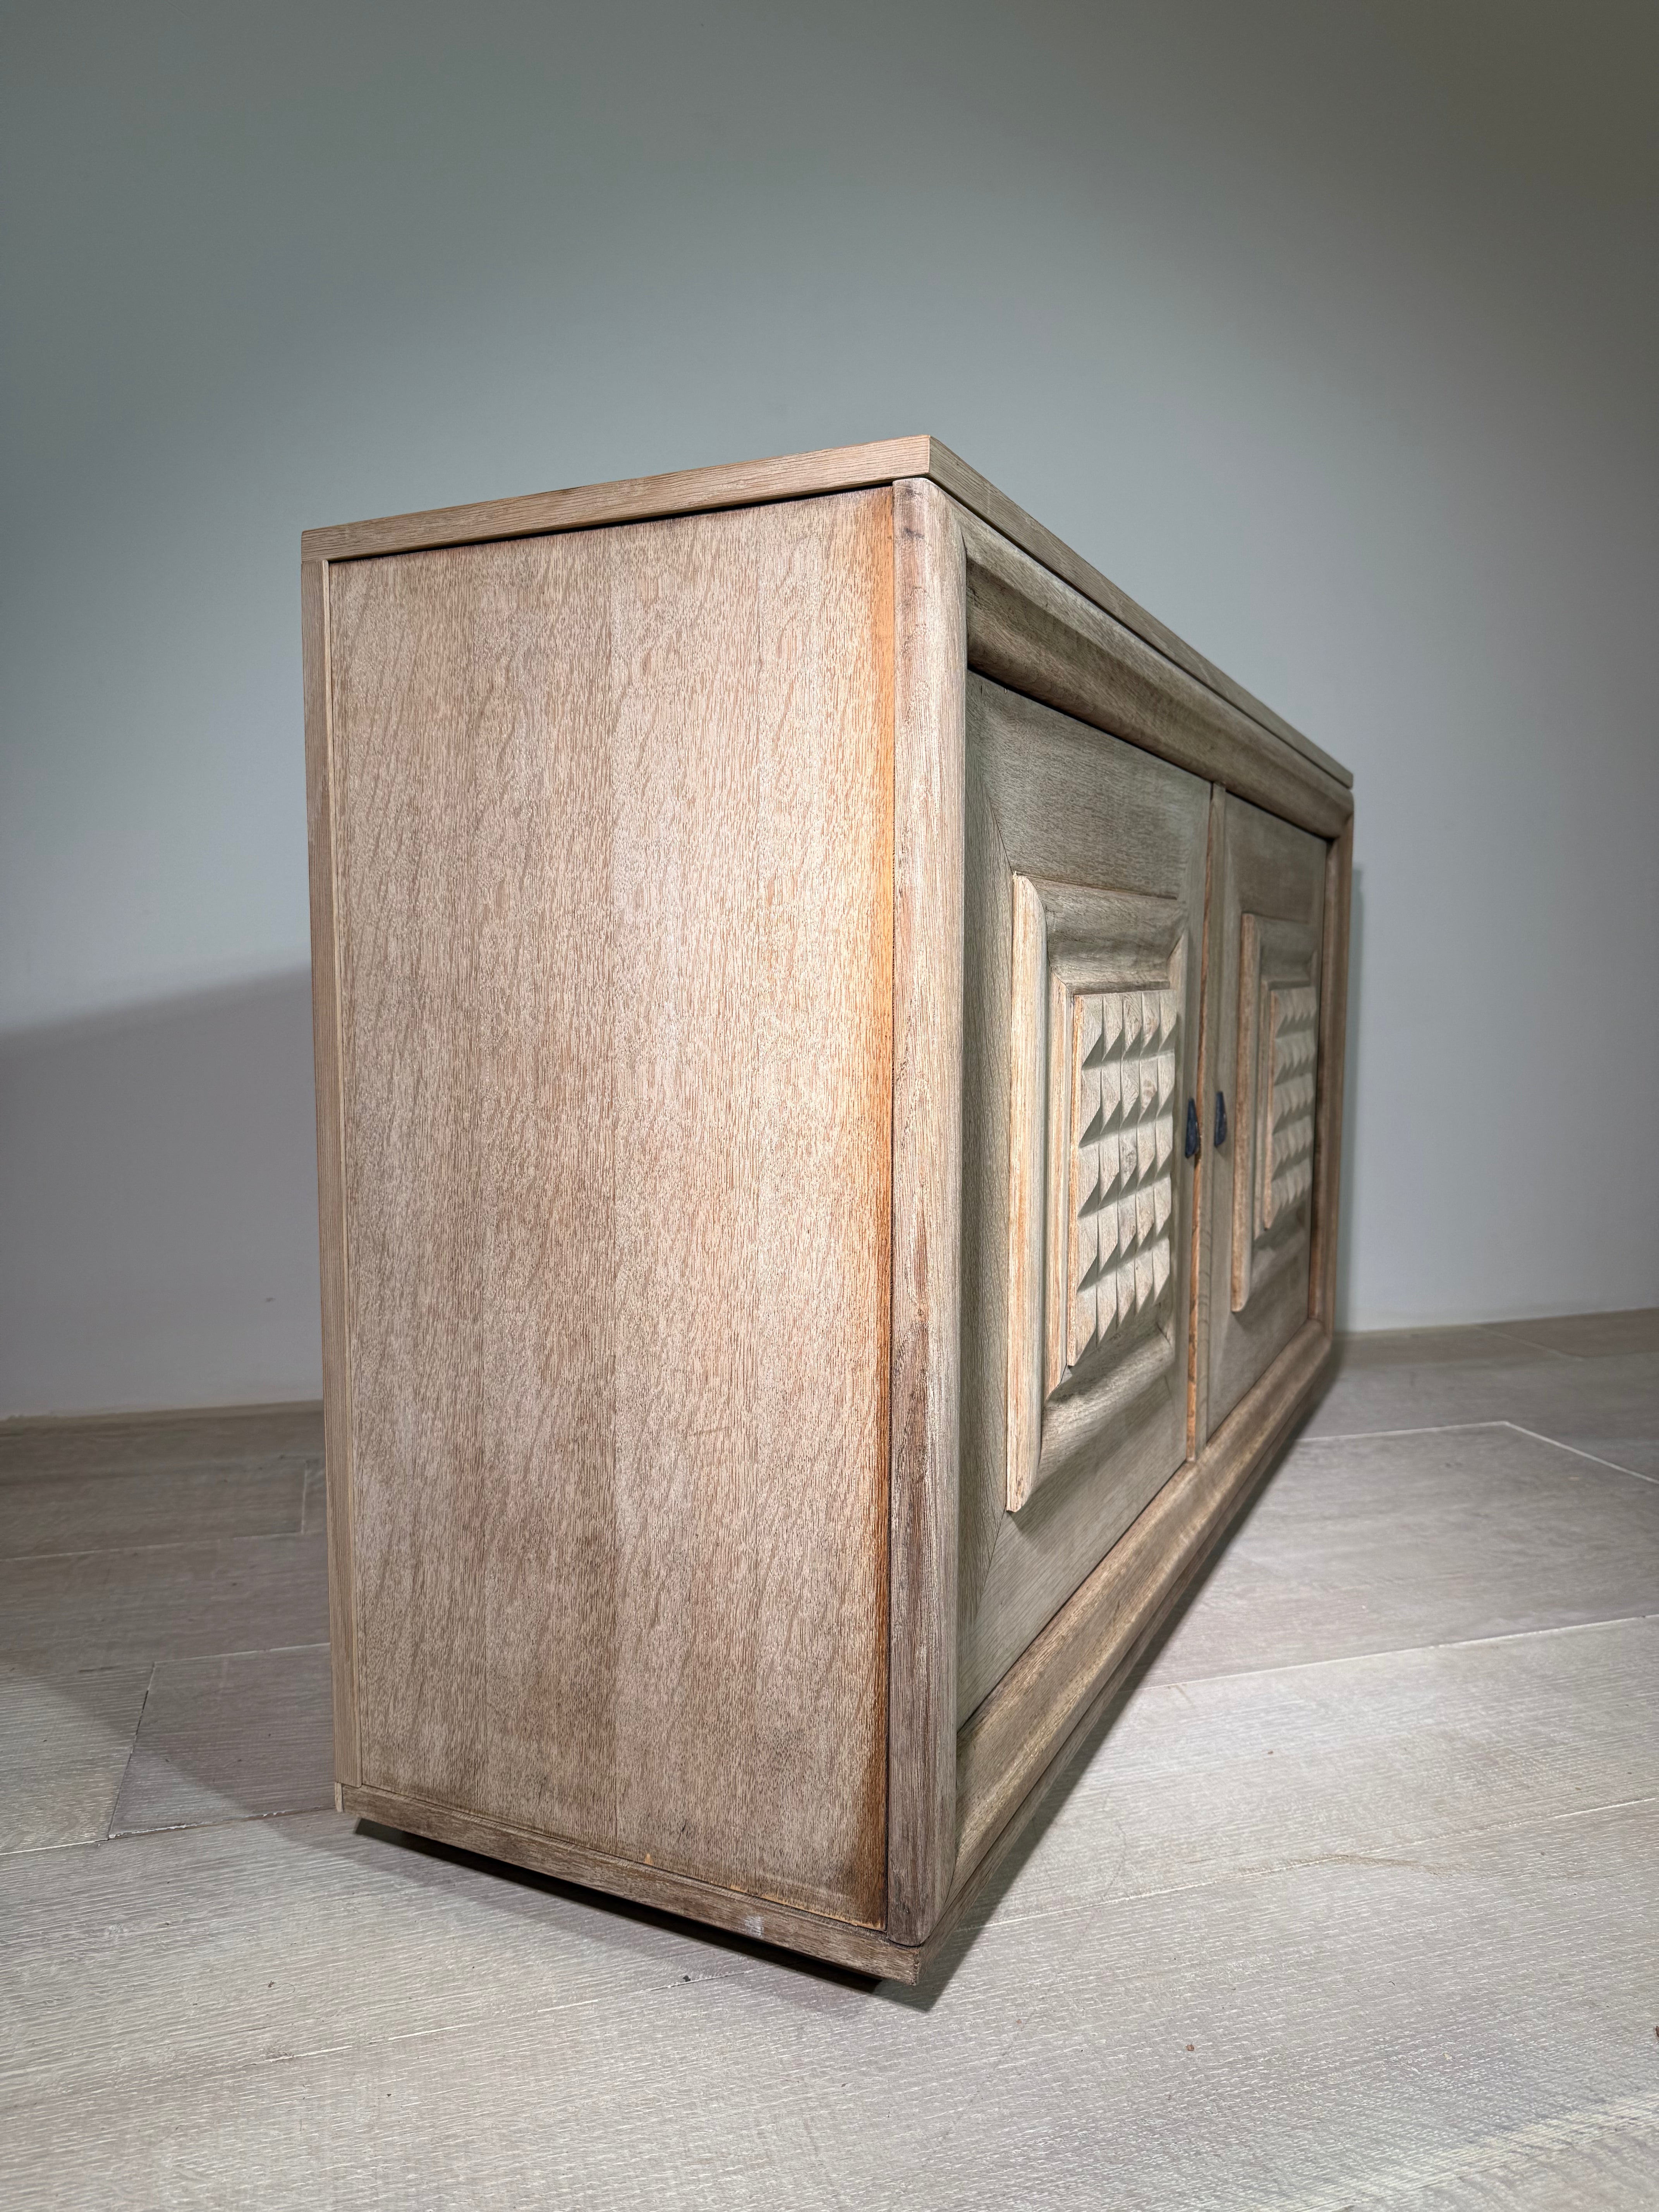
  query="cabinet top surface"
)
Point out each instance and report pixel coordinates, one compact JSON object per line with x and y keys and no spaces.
{"x":793,"y":475}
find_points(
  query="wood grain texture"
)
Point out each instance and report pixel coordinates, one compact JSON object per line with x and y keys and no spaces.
{"x":1290,"y":1053}
{"x":1049,"y":1699}
{"x":1027,"y":1206}
{"x":1219,"y":1778}
{"x":614,"y":856}
{"x":970,"y":489}
{"x":498,"y":2030}
{"x":1339,"y":1880}
{"x":318,"y":686}
{"x":65,"y":1738}
{"x":164,"y":1601}
{"x":844,"y":1942}
{"x":1204,"y":1233}
{"x":1240,"y":1066}
{"x":1092,"y":1122}
{"x":478,"y":1128}
{"x":1272,"y":897}
{"x":1424,"y":1536}
{"x":624,"y":957}
{"x":141,"y":1506}
{"x":753,"y":893}
{"x":1029,"y":630}
{"x":207,"y":1936}
{"x":1101,"y":828}
{"x":795,"y":475}
{"x":522,"y":2033}
{"x":1115,"y":1075}
{"x":1272,"y":1070}
{"x":212,"y":1436}
{"x":928,"y":768}
{"x":1333,"y":1060}
{"x":629,"y":499}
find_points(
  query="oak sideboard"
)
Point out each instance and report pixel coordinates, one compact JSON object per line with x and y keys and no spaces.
{"x":830,"y":1035}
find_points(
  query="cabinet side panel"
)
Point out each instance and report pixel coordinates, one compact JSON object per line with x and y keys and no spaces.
{"x":473,"y":803}
{"x":331,"y":1168}
{"x":616,"y":999}
{"x":753,"y":928}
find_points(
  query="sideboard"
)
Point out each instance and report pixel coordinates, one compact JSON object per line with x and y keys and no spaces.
{"x":830,"y":1042}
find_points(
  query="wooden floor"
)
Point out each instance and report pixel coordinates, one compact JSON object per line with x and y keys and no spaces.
{"x":1355,"y":1902}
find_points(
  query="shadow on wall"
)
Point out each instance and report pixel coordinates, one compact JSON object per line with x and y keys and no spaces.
{"x":158,"y":1203}
{"x":158,"y":1207}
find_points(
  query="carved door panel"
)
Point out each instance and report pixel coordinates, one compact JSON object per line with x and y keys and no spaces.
{"x":1264,"y":1016}
{"x":1085,"y":863}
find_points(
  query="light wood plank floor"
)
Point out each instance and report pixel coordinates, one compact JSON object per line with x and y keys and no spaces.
{"x":1353,"y":1903}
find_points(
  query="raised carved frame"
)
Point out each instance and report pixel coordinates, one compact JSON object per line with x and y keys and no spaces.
{"x":1099,"y":1005}
{"x":1275,"y":1099}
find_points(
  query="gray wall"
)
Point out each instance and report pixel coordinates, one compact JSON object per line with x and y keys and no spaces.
{"x":1328,"y":331}
{"x":158,"y":1197}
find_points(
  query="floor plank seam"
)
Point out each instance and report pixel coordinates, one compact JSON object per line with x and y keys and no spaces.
{"x":234,"y":1464}
{"x":131,"y":1550}
{"x":226,"y":1820}
{"x":1573,"y":1812}
{"x":1466,"y":1428}
{"x":1426,"y":1429}
{"x":169,"y":1658}
{"x":1549,"y":1351}
{"x":63,"y":1843}
{"x":1402,"y":1651}
{"x":1273,"y":1869}
{"x":126,"y":1764}
{"x":1391,"y":1946}
{"x":1509,"y":2153}
{"x":1594,"y":1458}
{"x":357,"y":2046}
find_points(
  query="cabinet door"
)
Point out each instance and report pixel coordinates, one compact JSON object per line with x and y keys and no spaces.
{"x":1085,"y":865}
{"x":1264,"y":1016}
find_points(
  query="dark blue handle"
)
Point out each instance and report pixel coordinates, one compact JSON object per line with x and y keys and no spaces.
{"x":1193,"y":1138}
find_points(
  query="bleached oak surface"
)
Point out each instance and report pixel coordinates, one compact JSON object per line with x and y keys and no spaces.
{"x":615,"y":996}
{"x":1376,"y":1835}
{"x":1049,"y":800}
{"x":643,"y":1538}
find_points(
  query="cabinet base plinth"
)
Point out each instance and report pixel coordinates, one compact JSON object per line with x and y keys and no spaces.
{"x":865,"y":1950}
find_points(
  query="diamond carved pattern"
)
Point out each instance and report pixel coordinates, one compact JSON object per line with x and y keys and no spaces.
{"x":1278,"y":1078}
{"x":1292,"y":1048}
{"x":1125,"y":1057}
{"x":1102,"y":1061}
